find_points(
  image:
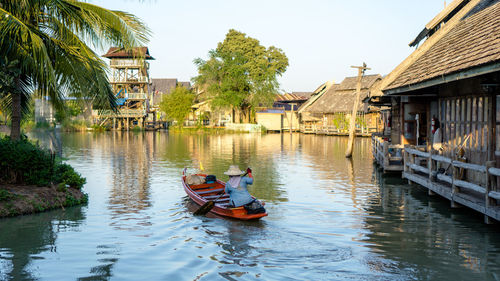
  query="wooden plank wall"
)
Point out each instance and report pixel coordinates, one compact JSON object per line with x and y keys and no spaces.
{"x":467,"y":116}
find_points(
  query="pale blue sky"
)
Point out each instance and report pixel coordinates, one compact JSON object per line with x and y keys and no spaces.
{"x":321,"y":38}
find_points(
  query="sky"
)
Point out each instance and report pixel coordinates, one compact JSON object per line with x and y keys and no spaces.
{"x":321,"y":38}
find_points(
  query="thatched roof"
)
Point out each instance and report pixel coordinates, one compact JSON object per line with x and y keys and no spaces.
{"x":290,"y":98}
{"x":349,"y":83}
{"x":120,"y":53}
{"x":321,"y":90}
{"x":341,"y":97}
{"x":162,"y":85}
{"x":473,"y":42}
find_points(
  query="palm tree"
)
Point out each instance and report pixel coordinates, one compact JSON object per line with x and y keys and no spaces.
{"x":48,"y":43}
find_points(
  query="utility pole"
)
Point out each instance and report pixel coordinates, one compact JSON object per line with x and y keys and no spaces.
{"x":352,"y":124}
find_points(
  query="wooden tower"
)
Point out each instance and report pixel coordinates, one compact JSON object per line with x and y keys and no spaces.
{"x":130,"y":80}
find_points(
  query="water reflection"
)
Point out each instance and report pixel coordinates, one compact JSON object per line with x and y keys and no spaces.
{"x":330,"y":218}
{"x":25,"y":239}
{"x":131,"y":159}
{"x":422,"y":236}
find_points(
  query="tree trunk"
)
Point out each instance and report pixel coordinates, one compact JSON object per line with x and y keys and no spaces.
{"x":15,"y":130}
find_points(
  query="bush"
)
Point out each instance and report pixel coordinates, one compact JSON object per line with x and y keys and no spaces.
{"x":5,"y":195}
{"x":26,"y":163}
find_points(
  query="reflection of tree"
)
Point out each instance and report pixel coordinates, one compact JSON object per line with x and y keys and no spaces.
{"x":25,"y":236}
{"x":417,"y":233}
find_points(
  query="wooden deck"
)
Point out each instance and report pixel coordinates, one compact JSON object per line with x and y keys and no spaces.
{"x":421,"y":167}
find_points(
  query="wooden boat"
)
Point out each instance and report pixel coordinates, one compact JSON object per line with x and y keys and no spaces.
{"x":202,"y":193}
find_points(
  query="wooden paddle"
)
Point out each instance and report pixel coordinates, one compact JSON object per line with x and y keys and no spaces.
{"x":205,"y":208}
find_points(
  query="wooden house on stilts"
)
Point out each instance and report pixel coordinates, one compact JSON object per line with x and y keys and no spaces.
{"x":451,"y":82}
{"x":130,"y":81}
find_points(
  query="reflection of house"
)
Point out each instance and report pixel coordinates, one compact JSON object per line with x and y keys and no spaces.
{"x":283,"y":113}
{"x":330,"y":111}
{"x":130,"y":80}
{"x":453,"y":78}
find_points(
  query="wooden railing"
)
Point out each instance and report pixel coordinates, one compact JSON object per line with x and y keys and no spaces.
{"x":419,"y":161}
{"x":123,"y":113}
{"x":387,"y":155}
{"x":333,"y":130}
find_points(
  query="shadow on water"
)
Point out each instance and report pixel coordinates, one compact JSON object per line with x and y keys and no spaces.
{"x":23,"y":238}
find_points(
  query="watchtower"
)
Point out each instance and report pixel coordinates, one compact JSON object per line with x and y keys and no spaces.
{"x":130,"y":80}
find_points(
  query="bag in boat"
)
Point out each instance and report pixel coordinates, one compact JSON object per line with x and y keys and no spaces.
{"x":254,"y":207}
{"x":210,"y":179}
{"x":195,"y":179}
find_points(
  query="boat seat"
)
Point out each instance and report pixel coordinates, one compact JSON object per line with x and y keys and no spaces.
{"x":210,"y":191}
{"x":203,"y":186}
{"x":210,"y":197}
{"x":222,"y":200}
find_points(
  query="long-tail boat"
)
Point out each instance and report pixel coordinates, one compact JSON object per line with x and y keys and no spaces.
{"x":202,"y":193}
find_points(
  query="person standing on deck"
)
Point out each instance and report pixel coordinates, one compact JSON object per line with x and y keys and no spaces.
{"x":236,"y":186}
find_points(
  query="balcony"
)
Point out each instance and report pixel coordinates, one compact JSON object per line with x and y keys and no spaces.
{"x":129,"y":80}
{"x":128,"y":63}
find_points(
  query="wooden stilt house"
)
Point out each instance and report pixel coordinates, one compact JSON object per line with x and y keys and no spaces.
{"x":452,"y":81}
{"x":130,"y":82}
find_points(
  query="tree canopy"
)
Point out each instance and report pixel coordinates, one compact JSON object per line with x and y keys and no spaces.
{"x":46,"y":40}
{"x":240,"y":73}
{"x":177,"y":104}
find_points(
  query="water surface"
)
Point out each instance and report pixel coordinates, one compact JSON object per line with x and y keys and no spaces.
{"x":329,"y":218}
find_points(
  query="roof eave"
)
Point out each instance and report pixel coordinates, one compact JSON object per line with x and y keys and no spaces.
{"x":460,"y":75}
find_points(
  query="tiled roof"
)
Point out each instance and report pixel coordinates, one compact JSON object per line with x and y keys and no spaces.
{"x":115,"y":52}
{"x":473,"y":42}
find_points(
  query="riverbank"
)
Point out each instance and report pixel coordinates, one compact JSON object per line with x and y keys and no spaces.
{"x":28,"y":199}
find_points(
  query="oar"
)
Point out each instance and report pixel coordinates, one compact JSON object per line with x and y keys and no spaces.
{"x":205,"y":208}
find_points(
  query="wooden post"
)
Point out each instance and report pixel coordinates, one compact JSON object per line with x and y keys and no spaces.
{"x":454,"y":189}
{"x":352,"y":124}
{"x":488,"y":202}
{"x":385,"y":160}
{"x":410,"y":169}
{"x":431,"y":166}
{"x":291,"y":118}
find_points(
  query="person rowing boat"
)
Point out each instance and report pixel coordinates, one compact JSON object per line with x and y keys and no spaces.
{"x":236,"y":187}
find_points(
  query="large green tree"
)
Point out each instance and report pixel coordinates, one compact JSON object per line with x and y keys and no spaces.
{"x":47,"y":45}
{"x":177,"y":104}
{"x":241,"y":74}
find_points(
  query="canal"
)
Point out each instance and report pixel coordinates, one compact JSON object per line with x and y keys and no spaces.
{"x":329,"y":218}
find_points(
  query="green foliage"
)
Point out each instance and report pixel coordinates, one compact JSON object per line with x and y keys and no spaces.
{"x":23,"y":162}
{"x":177,"y":104}
{"x":46,"y":47}
{"x":72,"y":201}
{"x":98,"y":128}
{"x":340,"y":121}
{"x":5,"y":195}
{"x":65,"y":174}
{"x":240,"y":73}
{"x":74,"y":125}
